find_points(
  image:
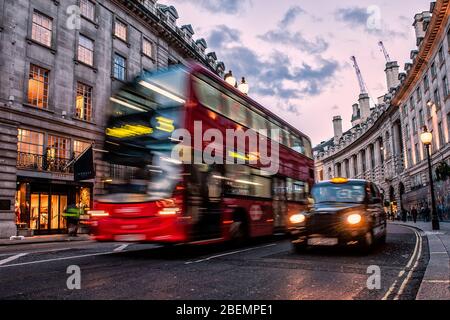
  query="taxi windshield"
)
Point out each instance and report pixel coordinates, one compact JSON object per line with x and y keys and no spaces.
{"x":341,"y":193}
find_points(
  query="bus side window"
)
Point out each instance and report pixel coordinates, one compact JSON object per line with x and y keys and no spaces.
{"x":207,"y":95}
{"x":236,"y":111}
{"x":297,"y":144}
{"x":308,"y":148}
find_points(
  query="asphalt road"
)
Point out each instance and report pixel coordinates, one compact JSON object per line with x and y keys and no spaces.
{"x":266,"y":269}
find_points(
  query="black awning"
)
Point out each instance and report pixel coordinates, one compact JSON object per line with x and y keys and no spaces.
{"x":83,"y":167}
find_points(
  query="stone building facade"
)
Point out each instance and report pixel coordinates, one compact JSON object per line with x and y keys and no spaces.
{"x":385,"y":147}
{"x":60,"y":61}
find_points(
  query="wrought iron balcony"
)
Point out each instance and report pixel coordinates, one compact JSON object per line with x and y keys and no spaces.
{"x":39,"y":162}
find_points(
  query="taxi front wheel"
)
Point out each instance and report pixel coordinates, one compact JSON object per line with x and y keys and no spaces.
{"x":367,"y":242}
{"x":299,"y":247}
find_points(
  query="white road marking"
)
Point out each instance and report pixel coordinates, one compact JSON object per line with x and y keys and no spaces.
{"x":408,"y":277}
{"x":437,"y":281}
{"x":230,"y":253}
{"x":15,"y":257}
{"x":121,"y":248}
{"x":403,"y":271}
{"x":58,"y":259}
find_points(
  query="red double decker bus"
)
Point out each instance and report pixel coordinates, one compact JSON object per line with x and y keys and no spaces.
{"x":156,"y":197}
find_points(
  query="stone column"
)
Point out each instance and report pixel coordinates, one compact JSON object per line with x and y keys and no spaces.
{"x":351,"y":168}
{"x":8,"y":178}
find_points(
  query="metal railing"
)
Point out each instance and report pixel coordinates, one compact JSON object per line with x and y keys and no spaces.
{"x":39,"y":162}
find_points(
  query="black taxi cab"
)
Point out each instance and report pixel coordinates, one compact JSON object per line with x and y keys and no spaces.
{"x":343,"y":212}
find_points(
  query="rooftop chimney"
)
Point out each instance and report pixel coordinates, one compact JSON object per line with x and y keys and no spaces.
{"x":337,"y":125}
{"x":392,"y":75}
{"x":419,"y":26}
{"x":356,"y":116}
{"x":364,"y":106}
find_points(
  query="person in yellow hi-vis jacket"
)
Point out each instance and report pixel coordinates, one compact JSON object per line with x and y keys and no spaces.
{"x":72,"y":215}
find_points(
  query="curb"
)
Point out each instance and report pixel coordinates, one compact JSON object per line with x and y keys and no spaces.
{"x":436,"y":281}
{"x":8,"y":243}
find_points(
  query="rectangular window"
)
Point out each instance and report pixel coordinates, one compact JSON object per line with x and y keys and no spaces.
{"x":426,"y":83}
{"x":120,"y":30}
{"x":407,"y":132}
{"x":147,"y":48}
{"x":120,"y":67}
{"x":414,"y":125}
{"x":30,"y":148}
{"x":421,"y":119}
{"x":38,"y":86}
{"x":58,"y":148}
{"x":412,"y":103}
{"x":84,"y":102}
{"x":437,"y":99}
{"x":79,"y":147}
{"x":417,"y":152}
{"x":441,"y":56}
{"x":445,"y":87}
{"x":87,"y":9}
{"x":419,"y":94}
{"x":41,"y":30}
{"x":441,"y":136}
{"x":86,"y":50}
{"x":30,"y":142}
{"x":433,"y":70}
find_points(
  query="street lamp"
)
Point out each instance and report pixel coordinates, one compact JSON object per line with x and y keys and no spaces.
{"x":427,"y":138}
{"x":230,"y":79}
{"x":243,"y":86}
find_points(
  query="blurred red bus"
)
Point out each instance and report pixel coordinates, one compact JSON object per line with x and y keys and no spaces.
{"x":152,"y":197}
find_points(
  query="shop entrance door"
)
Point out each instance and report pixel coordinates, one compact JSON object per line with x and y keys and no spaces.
{"x":57,"y":207}
{"x":46,"y":212}
{"x":39,"y":211}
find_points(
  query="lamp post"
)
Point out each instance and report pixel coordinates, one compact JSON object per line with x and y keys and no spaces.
{"x":243,"y":86}
{"x":427,"y":138}
{"x":230,"y":79}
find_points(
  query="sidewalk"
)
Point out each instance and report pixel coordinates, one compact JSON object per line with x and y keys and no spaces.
{"x":44,"y":239}
{"x":436,"y":282}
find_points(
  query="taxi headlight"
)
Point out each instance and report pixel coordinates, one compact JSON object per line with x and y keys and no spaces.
{"x":354,"y":218}
{"x":297,"y":218}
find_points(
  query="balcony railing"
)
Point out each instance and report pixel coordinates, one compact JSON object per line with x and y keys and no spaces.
{"x":38,"y":162}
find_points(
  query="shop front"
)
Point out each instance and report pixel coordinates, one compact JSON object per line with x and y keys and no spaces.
{"x":40,"y":204}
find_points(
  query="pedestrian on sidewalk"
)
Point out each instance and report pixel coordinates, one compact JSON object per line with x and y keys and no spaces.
{"x":414,"y":214}
{"x":72,"y":215}
{"x":404,"y":214}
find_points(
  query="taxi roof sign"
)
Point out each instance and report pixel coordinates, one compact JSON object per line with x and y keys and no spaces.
{"x":339,"y":180}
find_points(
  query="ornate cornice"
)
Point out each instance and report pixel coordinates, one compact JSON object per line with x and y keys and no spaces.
{"x":429,"y":45}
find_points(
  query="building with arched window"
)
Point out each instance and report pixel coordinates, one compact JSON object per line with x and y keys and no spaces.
{"x":385,"y":146}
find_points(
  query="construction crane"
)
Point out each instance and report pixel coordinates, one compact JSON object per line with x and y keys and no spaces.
{"x":383,"y":49}
{"x":362,"y":84}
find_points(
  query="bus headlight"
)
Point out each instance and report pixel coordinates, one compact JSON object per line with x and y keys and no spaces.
{"x":297,"y":218}
{"x":98,"y":213}
{"x":354,"y":219}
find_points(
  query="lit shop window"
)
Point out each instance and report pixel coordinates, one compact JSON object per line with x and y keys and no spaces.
{"x":84,"y":102}
{"x":38,"y":87}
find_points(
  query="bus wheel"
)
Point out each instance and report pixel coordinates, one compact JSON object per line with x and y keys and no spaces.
{"x":238,"y":230}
